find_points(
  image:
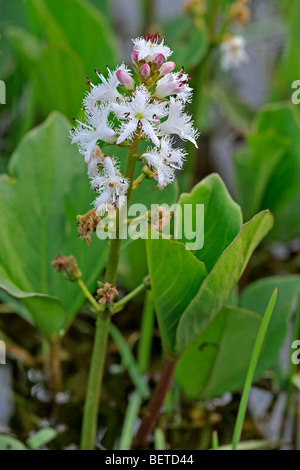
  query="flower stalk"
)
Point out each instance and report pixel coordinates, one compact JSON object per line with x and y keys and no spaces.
{"x":91,"y":407}
{"x":124,"y":109}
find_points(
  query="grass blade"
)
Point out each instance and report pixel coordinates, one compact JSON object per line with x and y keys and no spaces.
{"x":250,"y":374}
{"x":215,"y":441}
{"x":132,"y":412}
{"x":159,"y":439}
{"x":129,"y":362}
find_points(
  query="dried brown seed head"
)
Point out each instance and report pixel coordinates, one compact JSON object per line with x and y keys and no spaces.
{"x":107,"y":294}
{"x":87,"y":224}
{"x":68,"y":266}
{"x":159,"y":218}
{"x":240,"y":13}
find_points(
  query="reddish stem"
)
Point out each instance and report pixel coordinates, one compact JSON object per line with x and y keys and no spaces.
{"x":155,"y":405}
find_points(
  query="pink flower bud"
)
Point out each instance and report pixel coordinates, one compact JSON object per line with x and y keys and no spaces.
{"x":134,"y":57}
{"x":159,"y":59}
{"x":145,"y":70}
{"x":125,"y":79}
{"x":167,"y":68}
{"x":172,"y":84}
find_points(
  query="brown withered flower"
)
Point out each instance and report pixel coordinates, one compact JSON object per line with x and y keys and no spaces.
{"x":68,"y":266}
{"x":107,"y":294}
{"x":87,"y":224}
{"x":240,"y":12}
{"x":197,"y":7}
{"x":159,"y":218}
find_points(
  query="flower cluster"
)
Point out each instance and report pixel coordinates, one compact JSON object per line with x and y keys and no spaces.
{"x":127,"y":107}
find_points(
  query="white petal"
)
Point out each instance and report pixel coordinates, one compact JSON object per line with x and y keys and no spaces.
{"x":128,"y":129}
{"x":149,"y":131}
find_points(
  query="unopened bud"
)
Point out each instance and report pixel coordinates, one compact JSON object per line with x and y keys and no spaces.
{"x":159,"y":59}
{"x":167,"y":68}
{"x":125,"y":79}
{"x":145,"y":70}
{"x":135,"y":57}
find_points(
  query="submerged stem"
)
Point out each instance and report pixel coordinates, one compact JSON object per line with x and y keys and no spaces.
{"x":155,"y":405}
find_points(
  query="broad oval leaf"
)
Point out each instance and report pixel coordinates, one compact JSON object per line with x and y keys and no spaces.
{"x":176,"y":276}
{"x":256,"y":297}
{"x":217,"y":287}
{"x":222,"y":218}
{"x":218,"y":360}
{"x":38,"y":207}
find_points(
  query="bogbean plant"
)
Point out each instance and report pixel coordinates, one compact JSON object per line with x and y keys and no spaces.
{"x":190,"y":289}
{"x":125,"y":109}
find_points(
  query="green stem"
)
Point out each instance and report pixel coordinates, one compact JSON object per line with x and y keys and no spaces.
{"x":251,"y":370}
{"x":118,"y":306}
{"x":114,"y":253}
{"x":88,"y":295}
{"x":138,"y":181}
{"x":89,"y":426}
{"x":94,"y":388}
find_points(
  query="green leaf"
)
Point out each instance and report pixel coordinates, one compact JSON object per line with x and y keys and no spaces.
{"x":275,"y":185}
{"x":217,"y":287}
{"x":256,"y":296}
{"x":53,"y":87}
{"x":192,"y":51}
{"x":133,"y":260}
{"x":25,"y":44}
{"x":86,"y":31}
{"x":218,"y":360}
{"x":176,"y":276}
{"x":38,"y":205}
{"x":9,"y":443}
{"x":133,"y":264}
{"x":254,"y":168}
{"x":41,"y":438}
{"x":222,"y":218}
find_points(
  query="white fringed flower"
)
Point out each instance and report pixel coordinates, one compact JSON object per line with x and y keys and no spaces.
{"x":174,"y":84}
{"x":139,"y":112}
{"x":147,"y":49}
{"x":233,"y":53}
{"x":146,"y":104}
{"x":110,"y":185}
{"x":179,"y":122}
{"x":95,"y":128}
{"x":106,"y":91}
{"x":165,"y":161}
